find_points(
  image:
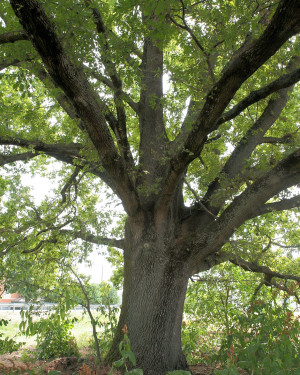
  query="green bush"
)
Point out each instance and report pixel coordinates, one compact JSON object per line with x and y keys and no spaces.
{"x":264,"y":342}
{"x":54,"y":338}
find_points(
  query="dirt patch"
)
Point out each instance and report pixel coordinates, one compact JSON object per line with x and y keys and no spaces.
{"x":15,"y":363}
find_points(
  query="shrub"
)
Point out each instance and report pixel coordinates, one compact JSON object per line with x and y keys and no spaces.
{"x":265,"y":341}
{"x":54,"y":338}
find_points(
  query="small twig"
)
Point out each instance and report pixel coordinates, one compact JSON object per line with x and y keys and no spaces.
{"x":198,"y":199}
{"x":72,"y":180}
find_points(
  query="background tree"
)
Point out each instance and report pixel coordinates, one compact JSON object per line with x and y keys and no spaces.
{"x":152,"y":102}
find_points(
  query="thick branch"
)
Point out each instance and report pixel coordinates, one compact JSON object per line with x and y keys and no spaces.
{"x":153,"y":136}
{"x":67,"y":153}
{"x":288,"y":138}
{"x":98,"y":240}
{"x":71,"y":149}
{"x":187,"y":146}
{"x":245,"y":206}
{"x":241,"y":154}
{"x":284,"y":81}
{"x":284,"y":204}
{"x":77,"y":88}
{"x":13,"y":36}
{"x":7,"y":159}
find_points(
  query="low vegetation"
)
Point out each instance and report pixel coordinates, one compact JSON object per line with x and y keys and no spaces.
{"x":226,"y":327}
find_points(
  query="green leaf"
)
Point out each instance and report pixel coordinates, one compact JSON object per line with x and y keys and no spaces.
{"x":119,"y":363}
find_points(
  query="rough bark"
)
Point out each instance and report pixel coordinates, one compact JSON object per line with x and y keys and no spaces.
{"x":154,"y":289}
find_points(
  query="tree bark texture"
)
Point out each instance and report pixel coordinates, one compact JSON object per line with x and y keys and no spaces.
{"x":154,"y":290}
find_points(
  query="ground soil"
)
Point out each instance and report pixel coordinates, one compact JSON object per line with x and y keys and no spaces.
{"x":85,"y":365}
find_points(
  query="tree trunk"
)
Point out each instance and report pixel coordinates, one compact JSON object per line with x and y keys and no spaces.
{"x":153,"y":297}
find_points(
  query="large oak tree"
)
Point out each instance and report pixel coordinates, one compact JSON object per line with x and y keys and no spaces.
{"x":185,"y":110}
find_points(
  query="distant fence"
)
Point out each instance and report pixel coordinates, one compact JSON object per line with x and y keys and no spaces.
{"x":17,"y":306}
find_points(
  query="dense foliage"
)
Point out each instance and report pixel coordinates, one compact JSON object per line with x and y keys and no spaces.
{"x":166,"y":131}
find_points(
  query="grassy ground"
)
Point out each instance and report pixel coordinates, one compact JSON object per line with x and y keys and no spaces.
{"x":82,"y":329}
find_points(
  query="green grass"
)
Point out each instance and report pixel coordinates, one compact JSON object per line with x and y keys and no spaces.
{"x":82,"y":329}
{"x":12,"y":329}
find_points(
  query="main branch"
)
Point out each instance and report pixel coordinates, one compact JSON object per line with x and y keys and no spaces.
{"x":246,"y":205}
{"x":187,"y":146}
{"x":72,"y":81}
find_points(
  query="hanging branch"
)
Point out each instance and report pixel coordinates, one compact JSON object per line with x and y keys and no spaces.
{"x":87,"y":306}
